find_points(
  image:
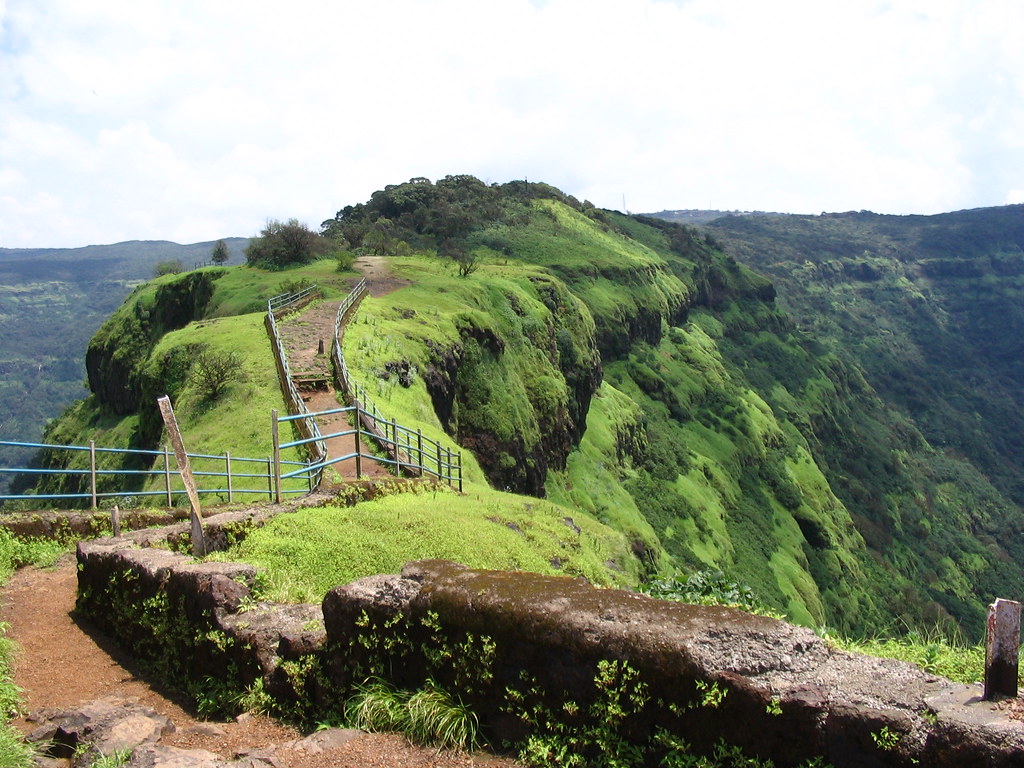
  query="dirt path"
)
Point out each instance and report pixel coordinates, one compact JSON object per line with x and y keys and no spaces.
{"x":304,"y":334}
{"x":64,"y":662}
{"x":379,"y":279}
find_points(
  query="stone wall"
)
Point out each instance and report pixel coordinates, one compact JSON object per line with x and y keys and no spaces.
{"x":549,"y":661}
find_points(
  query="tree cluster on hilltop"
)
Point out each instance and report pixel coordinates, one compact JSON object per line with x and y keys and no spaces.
{"x":441,"y":216}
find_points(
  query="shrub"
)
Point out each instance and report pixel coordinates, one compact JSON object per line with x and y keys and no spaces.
{"x":281,"y":245}
{"x":168,"y":267}
{"x":213,"y":371}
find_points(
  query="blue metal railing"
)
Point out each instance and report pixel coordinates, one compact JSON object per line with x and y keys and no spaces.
{"x":205,"y":467}
{"x":407,"y":450}
{"x":314,"y":445}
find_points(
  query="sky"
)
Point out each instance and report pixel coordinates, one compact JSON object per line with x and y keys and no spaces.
{"x":193,"y":120}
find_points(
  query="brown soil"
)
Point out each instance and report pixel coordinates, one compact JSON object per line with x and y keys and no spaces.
{"x":64,"y":662}
{"x":379,"y":279}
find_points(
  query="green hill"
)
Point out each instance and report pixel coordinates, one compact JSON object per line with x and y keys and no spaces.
{"x":52,"y":300}
{"x":639,"y":375}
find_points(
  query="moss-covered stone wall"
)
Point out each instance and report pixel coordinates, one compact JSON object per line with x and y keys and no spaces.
{"x":550,"y":665}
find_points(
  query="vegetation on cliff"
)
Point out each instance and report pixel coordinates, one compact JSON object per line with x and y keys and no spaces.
{"x":638,"y":375}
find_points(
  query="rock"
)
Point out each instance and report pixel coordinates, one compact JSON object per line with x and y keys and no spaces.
{"x":256,"y":758}
{"x":156,"y":756}
{"x":106,"y":725}
{"x":329,"y":738}
{"x":205,"y":729}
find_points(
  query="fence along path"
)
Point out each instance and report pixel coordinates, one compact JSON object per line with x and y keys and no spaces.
{"x":405,"y":451}
{"x":307,"y":338}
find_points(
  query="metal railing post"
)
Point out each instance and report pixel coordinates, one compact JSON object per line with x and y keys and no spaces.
{"x":394,"y":444}
{"x":419,"y":450}
{"x":92,"y":471}
{"x":359,"y":464}
{"x":458,"y":456}
{"x":167,"y":476}
{"x":227,"y":463}
{"x":277,"y":457}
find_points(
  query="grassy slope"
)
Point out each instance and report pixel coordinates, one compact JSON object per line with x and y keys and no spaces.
{"x":484,"y":528}
{"x":721,"y":437}
{"x":711,"y":505}
{"x":928,"y":308}
{"x":308,"y":552}
{"x":240,"y":420}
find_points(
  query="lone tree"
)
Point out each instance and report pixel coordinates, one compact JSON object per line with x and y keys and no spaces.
{"x":220,"y":253}
{"x":281,"y":245}
{"x":213,"y":371}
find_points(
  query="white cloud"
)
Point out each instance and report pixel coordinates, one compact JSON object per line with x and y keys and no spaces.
{"x":193,"y":120}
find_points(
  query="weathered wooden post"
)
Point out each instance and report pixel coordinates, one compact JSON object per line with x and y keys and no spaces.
{"x":115,"y":521}
{"x":1002,"y":645}
{"x":198,"y":538}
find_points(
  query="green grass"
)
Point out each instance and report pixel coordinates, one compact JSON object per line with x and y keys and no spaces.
{"x":514,"y":393}
{"x":957,"y":661}
{"x":306,"y":553}
{"x":429,"y":716}
{"x":246,"y":289}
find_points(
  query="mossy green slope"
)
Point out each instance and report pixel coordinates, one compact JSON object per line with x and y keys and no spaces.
{"x":310,"y":551}
{"x":633,"y":372}
{"x":147,"y":349}
{"x":927,"y":458}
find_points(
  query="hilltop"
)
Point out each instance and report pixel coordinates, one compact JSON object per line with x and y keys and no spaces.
{"x":637,"y":373}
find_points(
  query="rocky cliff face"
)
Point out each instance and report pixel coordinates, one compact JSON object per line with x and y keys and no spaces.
{"x":117,"y":352}
{"x":543,"y":362}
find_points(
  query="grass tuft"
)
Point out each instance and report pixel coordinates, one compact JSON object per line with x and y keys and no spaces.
{"x":429,"y":716}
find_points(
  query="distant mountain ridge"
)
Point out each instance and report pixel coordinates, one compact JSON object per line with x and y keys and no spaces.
{"x":703,"y":216}
{"x":52,"y":300}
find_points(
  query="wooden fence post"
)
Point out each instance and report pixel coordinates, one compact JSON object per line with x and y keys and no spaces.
{"x":92,"y":471}
{"x":115,"y":521}
{"x":198,"y":538}
{"x":419,"y":450}
{"x":459,"y":457}
{"x":440,"y":477}
{"x":1002,"y":645}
